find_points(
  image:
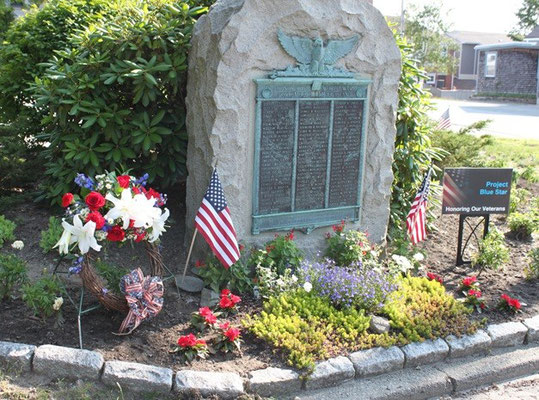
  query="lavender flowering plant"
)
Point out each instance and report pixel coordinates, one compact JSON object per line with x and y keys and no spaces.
{"x":358,"y":285}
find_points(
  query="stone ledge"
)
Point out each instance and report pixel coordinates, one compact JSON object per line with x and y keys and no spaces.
{"x":66,"y":362}
{"x":17,"y":355}
{"x":426,"y":352}
{"x":533,"y":329}
{"x":330,"y":372}
{"x":138,"y":377}
{"x":377,"y":361}
{"x":224,"y":384}
{"x":274,"y":381}
{"x":507,"y":334}
{"x":468,"y":344}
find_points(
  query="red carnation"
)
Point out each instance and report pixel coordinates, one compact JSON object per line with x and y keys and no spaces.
{"x":203,"y":311}
{"x":136,"y":190}
{"x":475,"y":293}
{"x":224,"y":326}
{"x":95,"y":201}
{"x":116,"y":234}
{"x":225,"y":292}
{"x":97,"y":218}
{"x":469,"y":281}
{"x":139,"y":237}
{"x":226,"y":302}
{"x":232,"y":334}
{"x":235,"y":299}
{"x":67,"y":199}
{"x":187,"y":341}
{"x":123,"y":181}
{"x":514,"y":303}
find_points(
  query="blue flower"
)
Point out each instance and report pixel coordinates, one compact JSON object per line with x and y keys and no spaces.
{"x":84,"y":181}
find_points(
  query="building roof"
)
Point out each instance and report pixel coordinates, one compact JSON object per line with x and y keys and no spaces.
{"x":534,"y":33}
{"x":468,"y":37}
{"x":529,"y":45}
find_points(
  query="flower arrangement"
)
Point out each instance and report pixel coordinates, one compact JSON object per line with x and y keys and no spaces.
{"x":111,"y":208}
{"x":509,"y":303}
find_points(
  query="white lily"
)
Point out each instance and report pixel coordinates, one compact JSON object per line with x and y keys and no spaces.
{"x":124,"y":207}
{"x":158,"y":225}
{"x":83,"y":234}
{"x":65,"y":240}
{"x":144,"y":213}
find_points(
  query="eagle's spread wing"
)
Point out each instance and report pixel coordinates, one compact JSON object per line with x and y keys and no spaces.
{"x":297,"y":47}
{"x":336,"y":49}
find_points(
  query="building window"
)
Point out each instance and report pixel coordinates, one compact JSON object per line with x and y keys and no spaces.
{"x":490,"y":64}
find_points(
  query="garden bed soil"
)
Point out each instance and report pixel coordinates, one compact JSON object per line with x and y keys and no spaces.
{"x":152,"y":341}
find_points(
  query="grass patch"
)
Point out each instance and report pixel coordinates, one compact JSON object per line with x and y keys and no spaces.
{"x":518,"y":152}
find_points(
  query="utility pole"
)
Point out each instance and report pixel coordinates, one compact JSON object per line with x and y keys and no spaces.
{"x":402,"y":18}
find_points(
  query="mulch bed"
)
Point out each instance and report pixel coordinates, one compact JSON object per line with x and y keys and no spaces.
{"x":151,"y":342}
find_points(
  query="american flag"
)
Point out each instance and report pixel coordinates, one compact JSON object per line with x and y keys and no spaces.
{"x":416,"y":219}
{"x":452,"y":194}
{"x":444,"y":122}
{"x":214,"y":223}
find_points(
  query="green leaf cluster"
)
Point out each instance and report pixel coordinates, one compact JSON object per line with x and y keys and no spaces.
{"x":352,"y":246}
{"x":7,"y":228}
{"x":518,"y":198}
{"x":6,"y":17}
{"x":280,"y":253}
{"x":532,"y":269}
{"x":12,"y":272}
{"x":492,"y":252}
{"x":40,"y":296}
{"x":112,"y":274}
{"x":307,"y":327}
{"x":115,"y":97}
{"x":523,"y":225}
{"x":421,"y":309}
{"x":51,"y":235}
{"x":236,"y":278}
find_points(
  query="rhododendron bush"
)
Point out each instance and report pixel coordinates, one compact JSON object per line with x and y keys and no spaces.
{"x":111,"y":208}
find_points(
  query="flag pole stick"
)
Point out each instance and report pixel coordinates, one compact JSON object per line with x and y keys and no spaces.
{"x":189,"y":254}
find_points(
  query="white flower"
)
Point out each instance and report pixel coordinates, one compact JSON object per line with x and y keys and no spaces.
{"x":108,"y":186}
{"x":294,"y":278}
{"x":58,"y":303}
{"x":84,"y":235}
{"x":17,"y":244}
{"x":307,"y":286}
{"x":402,"y":261}
{"x":124,"y":207}
{"x":145,"y":213}
{"x":65,"y":241}
{"x":101,"y":235}
{"x":419,"y":257}
{"x":158,"y":225}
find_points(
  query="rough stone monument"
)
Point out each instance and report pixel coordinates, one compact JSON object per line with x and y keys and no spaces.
{"x":295,"y":100}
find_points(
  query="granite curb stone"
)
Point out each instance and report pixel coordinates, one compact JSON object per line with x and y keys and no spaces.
{"x":425,"y":352}
{"x":468,"y":344}
{"x":329,"y":372}
{"x":66,"y":362}
{"x":377,"y":360}
{"x":507,"y":334}
{"x":227,"y":385}
{"x":17,"y":355}
{"x":138,"y":377}
{"x":533,"y":329}
{"x":274,"y":381}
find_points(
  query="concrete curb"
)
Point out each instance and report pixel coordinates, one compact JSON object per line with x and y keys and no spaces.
{"x":64,"y":362}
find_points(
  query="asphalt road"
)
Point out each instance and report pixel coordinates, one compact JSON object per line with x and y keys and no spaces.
{"x":509,"y":120}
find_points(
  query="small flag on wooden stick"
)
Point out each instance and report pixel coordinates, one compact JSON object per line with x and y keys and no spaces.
{"x":417,"y":217}
{"x":214,"y":223}
{"x":444,"y":122}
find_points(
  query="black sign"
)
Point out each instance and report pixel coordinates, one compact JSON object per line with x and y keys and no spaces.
{"x":476,"y":191}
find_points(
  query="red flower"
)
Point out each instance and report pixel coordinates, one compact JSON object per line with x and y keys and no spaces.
{"x":469,"y":281}
{"x":203,"y":311}
{"x":67,"y":199}
{"x":226,"y":302}
{"x":235,"y":299}
{"x":232,"y":334}
{"x":139,"y":237}
{"x":199,"y":263}
{"x":514,"y":303}
{"x":95,"y":201}
{"x":241,"y":247}
{"x":475,"y":293}
{"x":224,"y":326}
{"x":97,"y":218}
{"x":116,"y":234}
{"x":136,"y":190}
{"x":483,"y":306}
{"x":290,"y":235}
{"x":201,"y":341}
{"x":187,"y":341}
{"x":208,"y":315}
{"x":505,"y":297}
{"x":123,"y":181}
{"x":225,"y":292}
{"x":154,"y":194}
{"x":435,"y":277}
{"x":269,"y":248}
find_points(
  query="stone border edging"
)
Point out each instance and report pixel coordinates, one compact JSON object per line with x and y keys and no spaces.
{"x":65,"y":362}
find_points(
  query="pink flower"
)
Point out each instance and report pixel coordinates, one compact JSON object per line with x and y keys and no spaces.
{"x":232,"y":334}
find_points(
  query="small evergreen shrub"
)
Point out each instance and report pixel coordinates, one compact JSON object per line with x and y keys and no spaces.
{"x":492,"y":252}
{"x":12,"y":273}
{"x":42,"y":296}
{"x":351,"y":247}
{"x":421,"y":309}
{"x":279,"y":254}
{"x":6,"y":230}
{"x":463,"y":149}
{"x":51,"y":236}
{"x":532,"y":269}
{"x":523,"y":225}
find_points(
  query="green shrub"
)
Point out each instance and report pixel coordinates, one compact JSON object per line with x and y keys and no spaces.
{"x":116,"y":96}
{"x":308,"y":328}
{"x":6,"y":17}
{"x":530,"y":174}
{"x":12,"y":272}
{"x":518,"y":198}
{"x":532,"y":269}
{"x":41,"y":296}
{"x":421,"y":309}
{"x":492,"y":252}
{"x":349,"y":247}
{"x":51,"y":236}
{"x":6,"y":230}
{"x":216,"y":277}
{"x":112,"y":274}
{"x":523,"y":225}
{"x":279,"y":254}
